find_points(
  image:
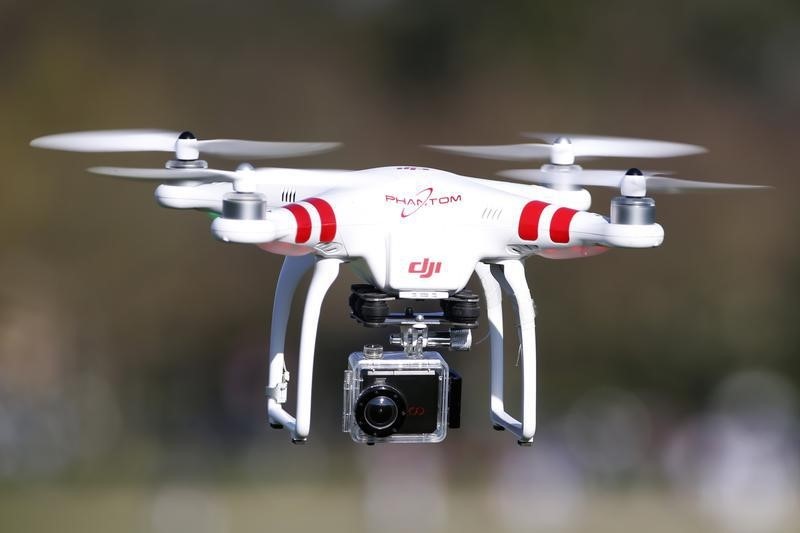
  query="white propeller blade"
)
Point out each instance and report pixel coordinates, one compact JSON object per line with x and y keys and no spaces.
{"x":170,"y":141}
{"x":615,"y":179}
{"x":675,"y":185}
{"x":506,"y":152}
{"x":564,"y":148}
{"x":238,"y":149}
{"x":566,"y":178}
{"x":167,"y":174}
{"x":603,"y":146}
{"x":110,"y":141}
{"x":241,"y":177}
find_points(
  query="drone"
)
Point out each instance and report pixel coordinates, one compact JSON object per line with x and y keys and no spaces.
{"x":412,"y":234}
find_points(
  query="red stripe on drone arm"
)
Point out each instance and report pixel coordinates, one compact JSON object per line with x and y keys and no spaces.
{"x":327,"y":217}
{"x":529,"y":220}
{"x":559,"y":226}
{"x":303,"y":220}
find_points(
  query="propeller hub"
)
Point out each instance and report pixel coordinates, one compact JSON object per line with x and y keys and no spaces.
{"x":245,"y":183}
{"x":633,"y":184}
{"x":562,"y":152}
{"x":561,"y":176}
{"x":186,"y":147}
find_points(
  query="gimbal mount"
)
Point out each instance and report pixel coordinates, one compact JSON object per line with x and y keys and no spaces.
{"x":370,"y":307}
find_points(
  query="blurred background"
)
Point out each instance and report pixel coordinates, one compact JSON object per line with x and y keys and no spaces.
{"x":133,"y":345}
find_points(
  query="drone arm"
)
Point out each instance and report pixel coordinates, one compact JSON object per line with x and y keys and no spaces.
{"x":292,"y":272}
{"x":591,"y":228}
{"x":306,"y":223}
{"x":552,"y":227}
{"x":205,"y":196}
{"x":278,"y":225}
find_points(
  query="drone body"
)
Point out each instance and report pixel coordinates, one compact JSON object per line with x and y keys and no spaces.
{"x":382,"y":219}
{"x":411,"y":233}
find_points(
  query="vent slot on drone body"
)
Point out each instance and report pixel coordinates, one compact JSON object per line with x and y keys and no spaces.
{"x":492,"y":213}
{"x":288,"y":196}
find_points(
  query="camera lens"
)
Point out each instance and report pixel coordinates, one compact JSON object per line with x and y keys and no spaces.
{"x":380,"y":412}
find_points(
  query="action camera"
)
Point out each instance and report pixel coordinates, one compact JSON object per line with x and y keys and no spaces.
{"x":392,"y":397}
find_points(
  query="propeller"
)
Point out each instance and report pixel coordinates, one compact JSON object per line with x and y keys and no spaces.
{"x":562,"y":149}
{"x":185,"y":145}
{"x":633,"y":183}
{"x":238,"y":177}
{"x":245,"y":178}
{"x":167,"y":174}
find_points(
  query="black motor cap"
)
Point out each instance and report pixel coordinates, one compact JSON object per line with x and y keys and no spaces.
{"x":186,"y":135}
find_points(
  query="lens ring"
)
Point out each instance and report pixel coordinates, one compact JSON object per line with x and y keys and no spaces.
{"x":380,"y":410}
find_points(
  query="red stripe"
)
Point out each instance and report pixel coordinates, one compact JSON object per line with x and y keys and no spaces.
{"x":529,"y":220}
{"x":327,"y":217}
{"x":559,"y":226}
{"x":303,"y":220}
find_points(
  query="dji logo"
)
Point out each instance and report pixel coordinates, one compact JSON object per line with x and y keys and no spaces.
{"x":425,"y":268}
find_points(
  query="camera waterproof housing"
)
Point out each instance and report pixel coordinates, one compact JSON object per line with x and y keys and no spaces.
{"x":394,"y":397}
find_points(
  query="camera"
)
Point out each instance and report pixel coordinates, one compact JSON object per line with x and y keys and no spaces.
{"x":395,"y":397}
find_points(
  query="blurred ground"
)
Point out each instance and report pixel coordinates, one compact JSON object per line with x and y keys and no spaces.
{"x":258,"y":508}
{"x":133,"y":346}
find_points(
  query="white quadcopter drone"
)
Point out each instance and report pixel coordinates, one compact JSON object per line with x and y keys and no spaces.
{"x":380,"y":221}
